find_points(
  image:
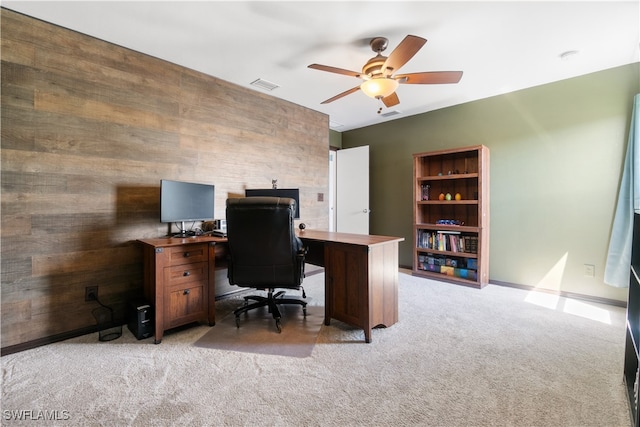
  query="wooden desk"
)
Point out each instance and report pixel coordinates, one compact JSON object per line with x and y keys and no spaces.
{"x":361,"y":278}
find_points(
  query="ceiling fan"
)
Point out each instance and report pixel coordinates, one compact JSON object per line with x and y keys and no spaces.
{"x":379,"y":80}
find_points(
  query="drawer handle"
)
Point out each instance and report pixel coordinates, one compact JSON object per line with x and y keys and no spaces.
{"x":187,"y":291}
{"x":186,"y":273}
{"x":187,"y":255}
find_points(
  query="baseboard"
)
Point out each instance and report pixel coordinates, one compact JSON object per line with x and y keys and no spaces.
{"x":573,"y":295}
{"x":313,"y":272}
{"x":48,"y":340}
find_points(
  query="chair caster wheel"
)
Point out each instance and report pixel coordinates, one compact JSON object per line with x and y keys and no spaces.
{"x":279,"y":325}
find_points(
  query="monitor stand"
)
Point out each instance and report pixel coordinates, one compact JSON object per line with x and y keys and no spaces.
{"x":183,"y":232}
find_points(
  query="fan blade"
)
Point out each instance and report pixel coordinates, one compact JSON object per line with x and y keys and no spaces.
{"x":408,"y":47}
{"x":334,"y":70}
{"x":340,"y":95}
{"x":430,"y":78}
{"x":391,"y":100}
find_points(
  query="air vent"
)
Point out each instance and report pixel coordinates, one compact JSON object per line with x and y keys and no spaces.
{"x":391,"y":113}
{"x":334,"y":125}
{"x":264,"y":84}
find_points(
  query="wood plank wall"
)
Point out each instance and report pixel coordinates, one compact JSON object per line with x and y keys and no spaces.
{"x":88,"y":130}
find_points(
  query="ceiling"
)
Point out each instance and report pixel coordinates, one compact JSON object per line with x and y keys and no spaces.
{"x":501,"y":46}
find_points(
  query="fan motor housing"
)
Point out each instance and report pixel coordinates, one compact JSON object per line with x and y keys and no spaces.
{"x":373,"y":67}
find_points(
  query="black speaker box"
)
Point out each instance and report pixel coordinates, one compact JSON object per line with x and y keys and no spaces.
{"x":140,"y":318}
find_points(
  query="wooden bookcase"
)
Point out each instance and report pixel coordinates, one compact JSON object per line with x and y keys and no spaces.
{"x":451,"y":236}
{"x":632,"y":349}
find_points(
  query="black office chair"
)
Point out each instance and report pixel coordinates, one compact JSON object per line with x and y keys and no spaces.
{"x":264,"y":252}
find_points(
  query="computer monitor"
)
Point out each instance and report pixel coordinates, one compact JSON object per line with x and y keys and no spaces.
{"x":181,"y":202}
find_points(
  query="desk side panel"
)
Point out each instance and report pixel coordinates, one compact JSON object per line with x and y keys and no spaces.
{"x":211,"y":283}
{"x":149,"y":282}
{"x":346,"y":292}
{"x":383,"y":284}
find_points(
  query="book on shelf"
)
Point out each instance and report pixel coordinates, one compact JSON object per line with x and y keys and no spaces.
{"x":450,"y":241}
{"x":465,"y":268}
{"x":463,"y":273}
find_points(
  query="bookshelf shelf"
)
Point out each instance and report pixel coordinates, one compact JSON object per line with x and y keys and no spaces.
{"x":444,"y":227}
{"x":451,"y":215}
{"x":447,"y":253}
{"x":446,"y":177}
{"x":449,"y":203}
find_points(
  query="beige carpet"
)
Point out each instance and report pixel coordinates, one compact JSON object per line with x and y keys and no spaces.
{"x":457,"y":357}
{"x":258,"y":334}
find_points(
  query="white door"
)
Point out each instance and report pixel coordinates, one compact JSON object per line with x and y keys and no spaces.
{"x":332,"y":190}
{"x":352,"y":190}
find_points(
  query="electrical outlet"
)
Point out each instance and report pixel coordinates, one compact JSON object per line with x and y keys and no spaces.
{"x":91,"y":293}
{"x":589,"y":270}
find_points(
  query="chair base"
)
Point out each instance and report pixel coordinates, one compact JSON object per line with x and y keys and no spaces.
{"x":272,"y":300}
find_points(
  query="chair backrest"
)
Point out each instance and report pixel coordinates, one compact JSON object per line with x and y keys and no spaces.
{"x":264,"y":251}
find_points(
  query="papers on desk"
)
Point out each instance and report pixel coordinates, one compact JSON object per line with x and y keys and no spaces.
{"x":219,"y":233}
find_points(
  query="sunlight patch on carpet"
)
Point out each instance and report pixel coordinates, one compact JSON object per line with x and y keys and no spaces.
{"x":588,"y":311}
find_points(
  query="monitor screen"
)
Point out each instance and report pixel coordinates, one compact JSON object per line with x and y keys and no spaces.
{"x":292,"y":193}
{"x":186,"y":201}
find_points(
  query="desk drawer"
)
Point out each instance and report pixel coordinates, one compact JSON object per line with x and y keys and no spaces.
{"x":186,"y":273}
{"x":186,"y":254}
{"x":185,"y":305}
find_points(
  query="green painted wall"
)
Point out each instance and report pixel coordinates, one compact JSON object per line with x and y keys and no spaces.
{"x":556,"y":157}
{"x":335,"y":139}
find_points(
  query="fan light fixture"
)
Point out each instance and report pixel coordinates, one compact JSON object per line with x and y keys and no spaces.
{"x":379,"y":87}
{"x":379,"y":80}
